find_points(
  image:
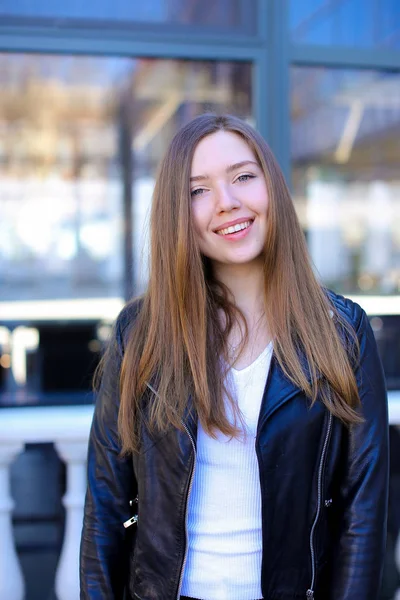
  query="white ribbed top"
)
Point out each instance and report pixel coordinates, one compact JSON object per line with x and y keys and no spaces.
{"x":224,"y":511}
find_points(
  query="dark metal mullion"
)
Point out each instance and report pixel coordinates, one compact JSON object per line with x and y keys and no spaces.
{"x":344,"y":57}
{"x":126,"y":162}
{"x":278,"y":85}
{"x":165,"y":32}
{"x":260,"y":97}
{"x":260,"y":74}
{"x":123,"y":47}
{"x":43,"y":39}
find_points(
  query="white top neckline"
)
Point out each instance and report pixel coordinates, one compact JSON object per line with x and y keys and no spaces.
{"x":255,"y":362}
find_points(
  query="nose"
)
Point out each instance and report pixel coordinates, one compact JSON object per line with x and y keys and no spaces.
{"x":226,"y":199}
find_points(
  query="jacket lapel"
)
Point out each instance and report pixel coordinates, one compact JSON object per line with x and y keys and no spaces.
{"x":278,"y":390}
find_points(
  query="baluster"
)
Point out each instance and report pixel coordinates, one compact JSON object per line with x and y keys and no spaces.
{"x":67,"y":576}
{"x":11,"y":579}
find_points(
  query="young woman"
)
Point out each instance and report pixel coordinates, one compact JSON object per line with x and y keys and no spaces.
{"x":239,"y":447}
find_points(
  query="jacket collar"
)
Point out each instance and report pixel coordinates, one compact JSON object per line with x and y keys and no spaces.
{"x":278,"y":390}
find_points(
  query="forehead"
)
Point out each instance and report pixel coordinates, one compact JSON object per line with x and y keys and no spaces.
{"x":219,"y":150}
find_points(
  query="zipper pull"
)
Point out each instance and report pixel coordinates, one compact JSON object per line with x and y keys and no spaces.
{"x":310,"y":594}
{"x":131,"y":521}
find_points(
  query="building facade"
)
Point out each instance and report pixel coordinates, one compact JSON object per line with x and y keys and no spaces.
{"x":91,"y":94}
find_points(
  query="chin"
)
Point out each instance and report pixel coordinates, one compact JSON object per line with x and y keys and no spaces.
{"x":240,"y":260}
{"x":243,"y":258}
{"x":235,"y":258}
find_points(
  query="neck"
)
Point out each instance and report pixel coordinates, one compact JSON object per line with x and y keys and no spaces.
{"x":246,"y":284}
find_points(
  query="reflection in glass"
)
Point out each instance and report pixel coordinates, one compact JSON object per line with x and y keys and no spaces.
{"x":345,"y":147}
{"x":221,"y":15}
{"x":60,"y":195}
{"x":358,"y":23}
{"x":81,"y":138}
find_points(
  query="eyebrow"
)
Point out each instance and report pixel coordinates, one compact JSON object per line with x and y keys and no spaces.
{"x":229,"y":169}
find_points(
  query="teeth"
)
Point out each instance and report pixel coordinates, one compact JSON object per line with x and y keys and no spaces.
{"x":235,"y":228}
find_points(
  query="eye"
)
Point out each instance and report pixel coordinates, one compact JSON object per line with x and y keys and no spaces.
{"x":197,"y":192}
{"x":245,"y":177}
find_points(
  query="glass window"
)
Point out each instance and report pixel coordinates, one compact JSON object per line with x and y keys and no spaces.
{"x":81,"y":139}
{"x":345,"y":148}
{"x":60,"y":185}
{"x":217,"y":15}
{"x":357,"y":23}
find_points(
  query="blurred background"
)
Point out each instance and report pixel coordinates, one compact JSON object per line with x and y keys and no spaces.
{"x":90,"y":95}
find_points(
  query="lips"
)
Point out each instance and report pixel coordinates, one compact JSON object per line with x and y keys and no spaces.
{"x":234,"y":226}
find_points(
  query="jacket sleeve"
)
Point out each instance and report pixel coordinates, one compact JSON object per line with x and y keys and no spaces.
{"x":105,"y":543}
{"x":358,"y":560}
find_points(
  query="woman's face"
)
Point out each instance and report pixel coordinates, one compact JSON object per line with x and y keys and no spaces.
{"x":229,"y":199}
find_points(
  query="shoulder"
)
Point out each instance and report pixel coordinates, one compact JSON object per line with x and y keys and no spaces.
{"x":126,"y":319}
{"x":347,"y":309}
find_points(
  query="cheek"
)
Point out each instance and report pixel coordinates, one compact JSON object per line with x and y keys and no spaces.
{"x":195,"y":220}
{"x":261,"y":202}
{"x":199,"y":218}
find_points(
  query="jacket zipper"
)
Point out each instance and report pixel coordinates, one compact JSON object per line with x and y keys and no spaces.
{"x":187,"y":497}
{"x":186,"y":511}
{"x":133,"y":520}
{"x":310,"y":591}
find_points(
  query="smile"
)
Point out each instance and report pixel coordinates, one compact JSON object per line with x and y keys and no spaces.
{"x":234,"y":228}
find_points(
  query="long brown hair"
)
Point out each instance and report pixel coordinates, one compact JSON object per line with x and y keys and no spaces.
{"x":176,"y":342}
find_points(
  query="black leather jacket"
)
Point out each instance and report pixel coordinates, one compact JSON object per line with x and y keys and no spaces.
{"x":323,"y":485}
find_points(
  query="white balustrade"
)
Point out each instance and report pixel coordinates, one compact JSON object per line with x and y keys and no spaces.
{"x":68,"y":427}
{"x":11,"y":580}
{"x":67,"y":580}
